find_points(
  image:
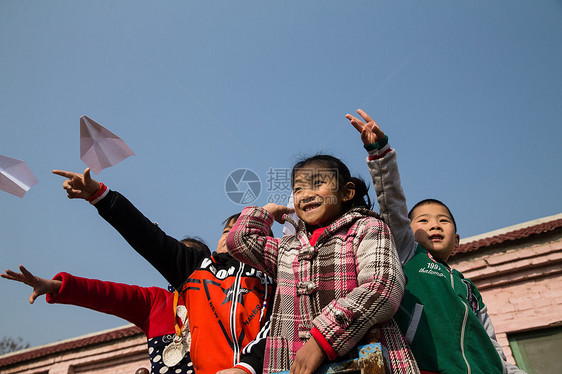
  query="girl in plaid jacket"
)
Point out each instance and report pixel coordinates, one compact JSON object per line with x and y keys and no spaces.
{"x":337,"y":277}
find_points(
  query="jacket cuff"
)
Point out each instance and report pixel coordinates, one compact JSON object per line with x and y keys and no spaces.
{"x":51,"y":297}
{"x":247,"y":368}
{"x":326,"y":347}
{"x":100,"y":194}
{"x":379,"y":153}
{"x":258,"y":214}
{"x":376,"y":145}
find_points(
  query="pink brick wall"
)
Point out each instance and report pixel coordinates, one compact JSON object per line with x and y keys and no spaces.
{"x":122,"y":356}
{"x":524,"y":306}
{"x":522,"y":286}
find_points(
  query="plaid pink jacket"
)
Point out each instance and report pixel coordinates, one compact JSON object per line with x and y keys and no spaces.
{"x":349,"y":282}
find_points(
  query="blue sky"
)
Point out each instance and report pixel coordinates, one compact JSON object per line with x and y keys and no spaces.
{"x":468,"y":92}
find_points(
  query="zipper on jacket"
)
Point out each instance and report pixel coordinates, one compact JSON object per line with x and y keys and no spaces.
{"x":451,"y":276}
{"x":233,"y":307}
{"x":264,"y":305}
{"x":463,"y":328}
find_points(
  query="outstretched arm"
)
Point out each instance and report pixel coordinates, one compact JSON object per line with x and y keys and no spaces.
{"x":40,"y":286}
{"x":386,"y":179}
{"x":143,"y":306}
{"x":168,"y":255}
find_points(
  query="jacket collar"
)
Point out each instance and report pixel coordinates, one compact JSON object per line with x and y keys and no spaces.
{"x":308,"y":251}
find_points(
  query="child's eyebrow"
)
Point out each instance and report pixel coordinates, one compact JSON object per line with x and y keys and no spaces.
{"x":304,"y":179}
{"x":424,"y":215}
{"x":311,"y":176}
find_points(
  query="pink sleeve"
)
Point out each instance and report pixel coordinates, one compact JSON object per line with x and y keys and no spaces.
{"x":249,"y":241}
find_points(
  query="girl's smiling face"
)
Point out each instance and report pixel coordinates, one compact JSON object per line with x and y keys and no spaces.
{"x":318,"y":196}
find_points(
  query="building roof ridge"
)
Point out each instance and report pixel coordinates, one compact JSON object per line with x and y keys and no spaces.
{"x":67,"y":344}
{"x":514,"y":232}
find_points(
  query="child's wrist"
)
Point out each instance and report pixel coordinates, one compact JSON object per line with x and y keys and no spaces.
{"x":98,"y":195}
{"x":378,"y":149}
{"x":379,"y":153}
{"x":376,"y":145}
{"x":323,"y":344}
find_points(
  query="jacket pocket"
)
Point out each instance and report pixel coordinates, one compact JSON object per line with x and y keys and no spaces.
{"x":277,"y":355}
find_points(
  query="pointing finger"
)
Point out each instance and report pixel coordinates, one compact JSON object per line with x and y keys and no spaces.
{"x":62,"y":173}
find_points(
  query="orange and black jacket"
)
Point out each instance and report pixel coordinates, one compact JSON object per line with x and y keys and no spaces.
{"x":228,"y":302}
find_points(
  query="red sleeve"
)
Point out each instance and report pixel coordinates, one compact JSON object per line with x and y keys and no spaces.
{"x":148,"y":308}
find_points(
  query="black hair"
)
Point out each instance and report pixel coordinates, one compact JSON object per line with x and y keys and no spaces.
{"x":196,"y":243}
{"x":233,"y":217}
{"x":361,"y":198}
{"x":433,"y":201}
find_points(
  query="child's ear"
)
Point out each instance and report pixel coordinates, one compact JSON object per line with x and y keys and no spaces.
{"x":348,"y":191}
{"x":457,"y":240}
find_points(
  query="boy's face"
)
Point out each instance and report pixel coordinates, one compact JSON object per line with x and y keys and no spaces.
{"x":434,"y":229}
{"x":221,"y":245}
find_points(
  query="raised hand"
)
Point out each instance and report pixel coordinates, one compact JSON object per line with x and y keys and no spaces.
{"x":277,"y":211}
{"x":370,"y":131}
{"x":78,"y":186}
{"x":40,"y":286}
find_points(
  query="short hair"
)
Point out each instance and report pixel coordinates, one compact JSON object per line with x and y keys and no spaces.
{"x":196,"y":243}
{"x":233,"y":218}
{"x":433,"y":201}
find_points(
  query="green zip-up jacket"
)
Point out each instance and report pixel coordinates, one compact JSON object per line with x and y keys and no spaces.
{"x":439,"y":319}
{"x":442,"y":315}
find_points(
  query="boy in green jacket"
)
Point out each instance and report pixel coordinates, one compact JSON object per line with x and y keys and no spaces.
{"x":442,"y":315}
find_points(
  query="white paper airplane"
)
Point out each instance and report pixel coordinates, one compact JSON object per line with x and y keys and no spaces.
{"x":99,"y":147}
{"x":15,"y":176}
